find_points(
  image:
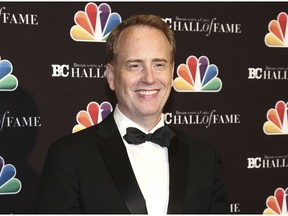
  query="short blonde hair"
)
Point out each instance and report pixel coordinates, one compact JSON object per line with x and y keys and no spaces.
{"x":148,"y":20}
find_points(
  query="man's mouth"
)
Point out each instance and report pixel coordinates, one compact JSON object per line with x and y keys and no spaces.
{"x":147,"y":92}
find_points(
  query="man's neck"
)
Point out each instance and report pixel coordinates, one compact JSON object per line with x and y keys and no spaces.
{"x":147,"y":122}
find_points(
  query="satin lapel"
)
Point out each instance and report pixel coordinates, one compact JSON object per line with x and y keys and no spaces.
{"x":114,"y":153}
{"x":178,"y":163}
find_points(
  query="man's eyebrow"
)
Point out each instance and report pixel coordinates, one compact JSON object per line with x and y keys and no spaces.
{"x":140,"y":60}
{"x":159,"y":60}
{"x":133,"y":60}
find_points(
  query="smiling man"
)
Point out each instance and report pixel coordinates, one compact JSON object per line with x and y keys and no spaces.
{"x":131,"y":162}
{"x":141,"y":73}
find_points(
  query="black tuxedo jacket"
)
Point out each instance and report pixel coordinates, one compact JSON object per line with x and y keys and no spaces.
{"x":90,"y":172}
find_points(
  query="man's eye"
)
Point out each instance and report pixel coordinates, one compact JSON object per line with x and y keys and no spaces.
{"x":135,"y":67}
{"x":159,"y":66}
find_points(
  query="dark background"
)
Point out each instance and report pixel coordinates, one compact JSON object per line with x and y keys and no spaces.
{"x":32,"y":49}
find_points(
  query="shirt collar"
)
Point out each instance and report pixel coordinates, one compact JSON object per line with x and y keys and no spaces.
{"x":123,"y":122}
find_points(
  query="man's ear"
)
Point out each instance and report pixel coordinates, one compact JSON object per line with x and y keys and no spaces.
{"x":109,"y":73}
{"x":172,"y":73}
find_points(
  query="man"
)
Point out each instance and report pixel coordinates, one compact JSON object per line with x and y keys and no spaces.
{"x":104,"y":170}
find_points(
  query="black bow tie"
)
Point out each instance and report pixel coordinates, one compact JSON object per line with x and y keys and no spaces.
{"x":161,"y":136}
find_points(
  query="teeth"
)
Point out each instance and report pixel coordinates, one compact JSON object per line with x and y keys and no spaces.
{"x":148,"y":92}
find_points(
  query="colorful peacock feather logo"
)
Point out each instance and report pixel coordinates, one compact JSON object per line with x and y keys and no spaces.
{"x":277,"y":117}
{"x":197,"y":75}
{"x":93,"y":114}
{"x":8,"y":82}
{"x":278,"y":32}
{"x":278,"y":203}
{"x":8,"y":184}
{"x":95,"y":23}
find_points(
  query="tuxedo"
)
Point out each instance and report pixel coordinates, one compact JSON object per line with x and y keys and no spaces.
{"x":90,"y":172}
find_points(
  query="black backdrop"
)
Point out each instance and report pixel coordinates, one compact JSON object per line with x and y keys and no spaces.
{"x":39,"y":106}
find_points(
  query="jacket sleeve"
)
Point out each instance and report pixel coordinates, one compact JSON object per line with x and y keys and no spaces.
{"x":219,"y":203}
{"x":58,"y":191}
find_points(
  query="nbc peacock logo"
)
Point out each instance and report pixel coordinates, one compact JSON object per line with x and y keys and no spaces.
{"x":277,"y":117}
{"x":8,"y":82}
{"x":93,"y":114}
{"x":94,"y":23}
{"x":8,"y":184}
{"x":277,"y":204}
{"x":278,"y":32}
{"x":197,"y":75}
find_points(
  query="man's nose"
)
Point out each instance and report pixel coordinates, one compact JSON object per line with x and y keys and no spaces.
{"x":148,"y":76}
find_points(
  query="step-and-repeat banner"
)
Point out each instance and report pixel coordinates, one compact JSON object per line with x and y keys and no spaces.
{"x":230,"y":88}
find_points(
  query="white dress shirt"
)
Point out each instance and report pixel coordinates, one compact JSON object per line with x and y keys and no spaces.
{"x":150,"y":165}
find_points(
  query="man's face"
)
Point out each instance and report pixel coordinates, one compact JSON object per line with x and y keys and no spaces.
{"x":142,"y":74}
